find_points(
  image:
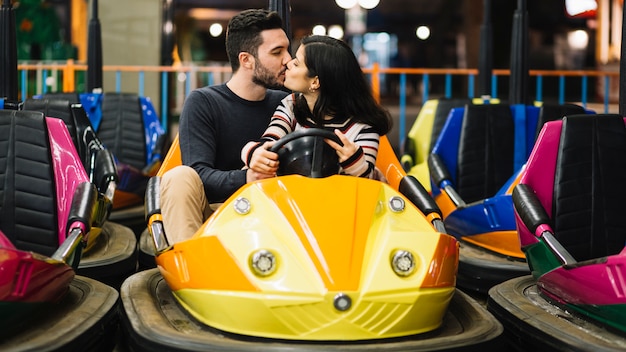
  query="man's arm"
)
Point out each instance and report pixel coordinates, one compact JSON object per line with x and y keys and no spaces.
{"x":198,"y":134}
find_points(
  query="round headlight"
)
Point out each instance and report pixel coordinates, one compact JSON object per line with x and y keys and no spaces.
{"x":403,"y":263}
{"x":396,"y":204}
{"x":242,"y":205}
{"x":263,"y":262}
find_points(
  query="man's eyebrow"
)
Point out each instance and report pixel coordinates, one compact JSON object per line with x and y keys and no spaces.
{"x":277,"y":47}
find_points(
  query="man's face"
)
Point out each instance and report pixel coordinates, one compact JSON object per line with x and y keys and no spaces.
{"x":271,"y":58}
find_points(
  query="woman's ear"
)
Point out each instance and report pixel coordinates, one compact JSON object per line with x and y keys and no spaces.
{"x":315,"y":83}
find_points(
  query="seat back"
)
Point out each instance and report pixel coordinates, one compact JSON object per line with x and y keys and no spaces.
{"x":485,"y":152}
{"x":28,"y":199}
{"x":551,"y":112}
{"x":122,"y":128}
{"x":576,"y":172}
{"x":441,"y":115}
{"x":590,"y":186}
{"x":90,"y":102}
{"x":98,"y":162}
{"x":62,"y":109}
{"x":73,"y":98}
{"x":428,"y":125}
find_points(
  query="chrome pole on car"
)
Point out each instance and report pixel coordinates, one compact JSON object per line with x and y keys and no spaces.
{"x":153,"y":208}
{"x":79,"y":225}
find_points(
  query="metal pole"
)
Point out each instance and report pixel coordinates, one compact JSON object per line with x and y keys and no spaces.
{"x":94,"y":51}
{"x":518,"y":83}
{"x":622,"y":70}
{"x":485,"y":57}
{"x":8,"y":53}
{"x":283,"y":8}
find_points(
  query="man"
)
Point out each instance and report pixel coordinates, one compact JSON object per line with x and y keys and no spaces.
{"x":217,"y":121}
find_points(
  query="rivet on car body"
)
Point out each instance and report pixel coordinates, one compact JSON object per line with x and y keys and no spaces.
{"x":342,"y":302}
{"x":242,"y":205}
{"x":396,"y":204}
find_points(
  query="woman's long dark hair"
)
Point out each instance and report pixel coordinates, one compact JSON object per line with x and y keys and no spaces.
{"x":344,"y":92}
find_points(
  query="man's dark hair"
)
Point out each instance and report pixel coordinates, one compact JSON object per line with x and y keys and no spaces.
{"x":243,"y":33}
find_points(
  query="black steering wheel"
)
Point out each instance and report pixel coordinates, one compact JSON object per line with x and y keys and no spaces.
{"x":304,"y":152}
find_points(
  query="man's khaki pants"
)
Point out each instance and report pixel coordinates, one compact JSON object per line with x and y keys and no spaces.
{"x":184,"y":206}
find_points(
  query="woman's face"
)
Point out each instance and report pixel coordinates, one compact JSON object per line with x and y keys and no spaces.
{"x":296,"y":76}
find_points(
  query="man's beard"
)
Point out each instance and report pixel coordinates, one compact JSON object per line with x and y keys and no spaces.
{"x":263,"y":77}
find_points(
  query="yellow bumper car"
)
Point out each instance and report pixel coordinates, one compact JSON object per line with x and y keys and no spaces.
{"x":308,"y":257}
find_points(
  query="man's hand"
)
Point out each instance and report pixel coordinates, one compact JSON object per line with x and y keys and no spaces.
{"x":263,"y":161}
{"x":252,"y":175}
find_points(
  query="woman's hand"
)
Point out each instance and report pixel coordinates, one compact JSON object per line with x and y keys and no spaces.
{"x":263,"y":161}
{"x":347,"y":150}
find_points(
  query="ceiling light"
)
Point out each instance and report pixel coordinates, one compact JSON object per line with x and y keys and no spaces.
{"x":346,"y":4}
{"x":216,"y":29}
{"x":422,"y":32}
{"x":319,"y":30}
{"x":335,"y":31}
{"x":368,"y":4}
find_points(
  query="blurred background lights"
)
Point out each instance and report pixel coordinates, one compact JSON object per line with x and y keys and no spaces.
{"x":319,"y":30}
{"x":382,"y":37}
{"x":578,"y":39}
{"x":335,"y":31}
{"x":422,"y":32}
{"x":168,"y":27}
{"x":216,"y":29}
{"x":368,"y":4}
{"x":346,"y":4}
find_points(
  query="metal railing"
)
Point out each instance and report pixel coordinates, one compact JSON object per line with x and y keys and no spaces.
{"x":605,"y":80}
{"x":582,"y":87}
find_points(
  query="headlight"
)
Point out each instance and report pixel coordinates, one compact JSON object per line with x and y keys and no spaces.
{"x":403,"y":263}
{"x":263,"y":262}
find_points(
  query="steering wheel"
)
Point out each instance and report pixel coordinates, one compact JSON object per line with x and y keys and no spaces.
{"x":304,"y":152}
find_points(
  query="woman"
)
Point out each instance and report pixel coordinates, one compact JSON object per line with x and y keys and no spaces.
{"x":331,"y":93}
